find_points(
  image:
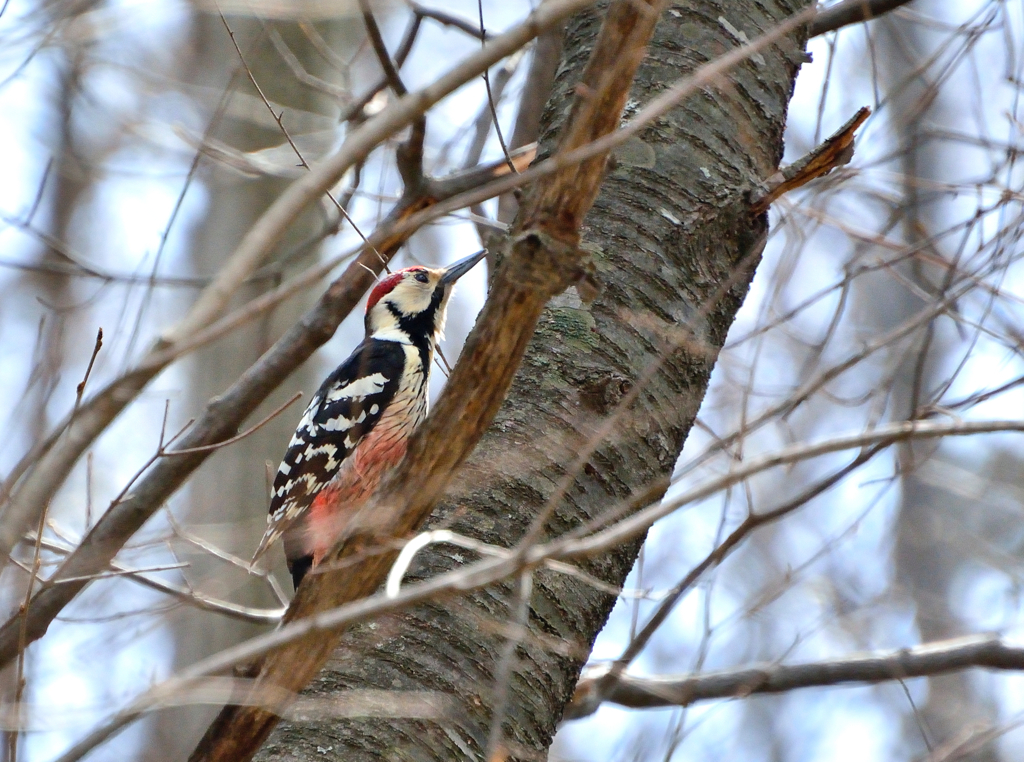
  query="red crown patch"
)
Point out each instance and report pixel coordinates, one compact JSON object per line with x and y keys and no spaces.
{"x":387,"y":285}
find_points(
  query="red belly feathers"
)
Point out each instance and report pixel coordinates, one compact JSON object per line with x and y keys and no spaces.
{"x":356,"y":482}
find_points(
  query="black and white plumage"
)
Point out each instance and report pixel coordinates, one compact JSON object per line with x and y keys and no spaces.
{"x":356,"y":427}
{"x":347,"y":405}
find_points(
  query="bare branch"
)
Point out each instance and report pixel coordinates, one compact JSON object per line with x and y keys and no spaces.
{"x":386,"y":64}
{"x":190,"y":597}
{"x":851,"y":12}
{"x":425,"y":705}
{"x":356,"y":111}
{"x":638,"y":523}
{"x":834,"y":152}
{"x":721,"y":551}
{"x":986,"y":651}
{"x":202,"y":601}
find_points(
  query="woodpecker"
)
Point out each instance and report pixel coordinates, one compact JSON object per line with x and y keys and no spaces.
{"x":357,"y":426}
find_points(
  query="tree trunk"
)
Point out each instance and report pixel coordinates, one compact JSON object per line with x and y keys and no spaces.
{"x":675,"y":245}
{"x":66,"y":184}
{"x":929,"y":552}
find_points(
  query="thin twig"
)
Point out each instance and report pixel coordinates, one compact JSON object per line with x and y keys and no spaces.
{"x":238,"y":437}
{"x":42,"y":185}
{"x":448,"y":19}
{"x":491,"y":98}
{"x":80,"y":389}
{"x":19,"y":675}
{"x":386,"y":64}
{"x":191,"y":597}
{"x":339,"y":93}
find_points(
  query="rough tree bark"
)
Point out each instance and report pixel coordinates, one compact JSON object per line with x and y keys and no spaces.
{"x":675,"y":244}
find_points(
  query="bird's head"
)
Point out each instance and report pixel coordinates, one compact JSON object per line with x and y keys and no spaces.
{"x":410,"y":305}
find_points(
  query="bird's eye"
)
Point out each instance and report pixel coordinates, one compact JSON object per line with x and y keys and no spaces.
{"x":422,"y":277}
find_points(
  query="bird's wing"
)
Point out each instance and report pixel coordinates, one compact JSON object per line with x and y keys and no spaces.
{"x":344,"y":409}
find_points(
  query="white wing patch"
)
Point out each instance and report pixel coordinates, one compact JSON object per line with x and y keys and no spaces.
{"x":360,"y":388}
{"x":341,"y":423}
{"x":327,"y":449}
{"x":307,"y":420}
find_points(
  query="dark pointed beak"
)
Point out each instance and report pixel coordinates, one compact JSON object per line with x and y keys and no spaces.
{"x":462,"y":267}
